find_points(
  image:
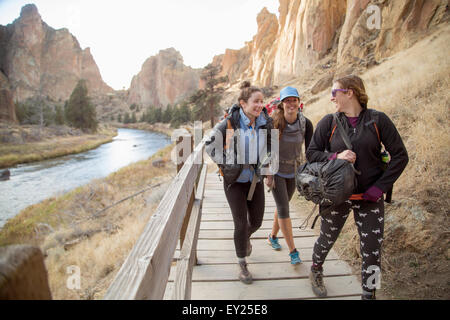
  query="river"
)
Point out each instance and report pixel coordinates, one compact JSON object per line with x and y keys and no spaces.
{"x":34,"y":182}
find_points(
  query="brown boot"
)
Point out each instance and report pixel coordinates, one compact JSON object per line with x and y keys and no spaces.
{"x":245,"y":276}
{"x":366,"y":295}
{"x":316,"y":278}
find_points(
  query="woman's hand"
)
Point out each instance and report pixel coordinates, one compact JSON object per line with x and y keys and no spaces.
{"x":348,"y":155}
{"x":270,"y":182}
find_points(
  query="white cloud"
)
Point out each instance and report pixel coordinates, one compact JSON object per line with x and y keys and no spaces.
{"x":122,"y":34}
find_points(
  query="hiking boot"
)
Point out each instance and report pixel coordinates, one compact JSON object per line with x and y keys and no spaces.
{"x":368,"y":295}
{"x":274,"y":243}
{"x":295,"y":258}
{"x":316,"y":278}
{"x":245,"y":276}
{"x":249,"y":248}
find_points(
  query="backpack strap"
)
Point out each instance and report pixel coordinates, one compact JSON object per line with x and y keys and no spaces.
{"x":374,"y":120}
{"x":229,"y":134}
{"x":374,"y":115}
{"x":228,"y":137}
{"x":332,"y":132}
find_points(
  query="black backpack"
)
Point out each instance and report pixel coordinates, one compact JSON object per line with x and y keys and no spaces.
{"x":327,"y":183}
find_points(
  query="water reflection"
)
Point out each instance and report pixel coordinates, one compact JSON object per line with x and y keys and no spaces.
{"x":31,"y":183}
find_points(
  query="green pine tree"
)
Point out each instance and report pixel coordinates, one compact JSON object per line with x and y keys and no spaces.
{"x":127,"y":118}
{"x":167,"y":114}
{"x":206,"y":101}
{"x":59,"y":115}
{"x":158,"y":115}
{"x":80,"y":111}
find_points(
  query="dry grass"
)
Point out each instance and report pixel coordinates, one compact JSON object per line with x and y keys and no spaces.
{"x":412,"y":88}
{"x":69,"y":231}
{"x":52,"y":147}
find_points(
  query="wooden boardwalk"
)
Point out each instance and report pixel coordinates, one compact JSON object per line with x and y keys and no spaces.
{"x":216,"y":275}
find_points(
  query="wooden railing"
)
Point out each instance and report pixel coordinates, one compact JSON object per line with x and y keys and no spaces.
{"x":188,"y":253}
{"x":145,"y":272}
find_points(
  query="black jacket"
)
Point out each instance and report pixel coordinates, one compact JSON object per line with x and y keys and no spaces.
{"x":366,"y":146}
{"x":232,"y":172}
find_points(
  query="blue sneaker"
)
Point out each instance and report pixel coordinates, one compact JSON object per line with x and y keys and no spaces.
{"x":274,"y":243}
{"x":295,"y":259}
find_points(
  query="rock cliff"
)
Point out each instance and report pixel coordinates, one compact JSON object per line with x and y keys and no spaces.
{"x":343,"y":33}
{"x":163,"y":79}
{"x":38,"y":60}
{"x":402,"y":23}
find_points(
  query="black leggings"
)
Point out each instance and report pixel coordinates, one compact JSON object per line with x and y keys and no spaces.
{"x":282,"y":193}
{"x":369,"y":219}
{"x":247,"y":215}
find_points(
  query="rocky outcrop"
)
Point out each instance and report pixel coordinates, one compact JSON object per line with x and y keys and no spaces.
{"x":234,"y":63}
{"x":255,"y":60}
{"x":309,"y":31}
{"x":262,"y":49}
{"x":163,"y":79}
{"x":41,"y":61}
{"x":7,"y":107}
{"x":402,"y":23}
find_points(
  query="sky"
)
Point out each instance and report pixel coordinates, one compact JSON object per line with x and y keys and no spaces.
{"x":123,"y":34}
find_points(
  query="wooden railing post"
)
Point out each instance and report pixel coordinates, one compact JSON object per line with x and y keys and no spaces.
{"x":181,"y":150}
{"x":23,"y":275}
{"x":188,"y":253}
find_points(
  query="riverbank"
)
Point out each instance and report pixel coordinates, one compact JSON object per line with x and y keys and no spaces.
{"x":30,"y":143}
{"x":72,"y":229}
{"x":157,"y":127}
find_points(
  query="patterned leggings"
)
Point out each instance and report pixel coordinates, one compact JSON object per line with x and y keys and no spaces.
{"x":369,"y":219}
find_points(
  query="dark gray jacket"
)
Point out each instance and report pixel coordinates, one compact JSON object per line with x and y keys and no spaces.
{"x":231,"y":172}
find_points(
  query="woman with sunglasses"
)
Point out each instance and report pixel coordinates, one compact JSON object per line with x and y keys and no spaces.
{"x":366,"y":129}
{"x":294,"y":130}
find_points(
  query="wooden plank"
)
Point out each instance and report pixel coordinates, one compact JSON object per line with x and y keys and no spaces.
{"x":145,"y":271}
{"x":211,"y":191}
{"x":207,"y":211}
{"x":228,"y":216}
{"x":259,"y":256}
{"x":187,"y":259}
{"x":224,"y":225}
{"x":258,"y":244}
{"x":351,"y":297}
{"x":169,"y":289}
{"x":259,"y":234}
{"x":263,"y":271}
{"x":224,"y":204}
{"x":337,"y":287}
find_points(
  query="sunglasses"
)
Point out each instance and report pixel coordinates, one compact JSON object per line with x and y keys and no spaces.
{"x":334,"y":91}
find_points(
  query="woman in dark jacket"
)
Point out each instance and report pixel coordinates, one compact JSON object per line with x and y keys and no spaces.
{"x":367,"y":129}
{"x":237,"y":145}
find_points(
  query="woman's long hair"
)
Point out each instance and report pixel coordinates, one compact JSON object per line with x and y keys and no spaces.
{"x":279,"y":122}
{"x":356,"y":84}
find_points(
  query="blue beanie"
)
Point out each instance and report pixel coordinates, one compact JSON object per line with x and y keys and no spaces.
{"x":288,"y":92}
